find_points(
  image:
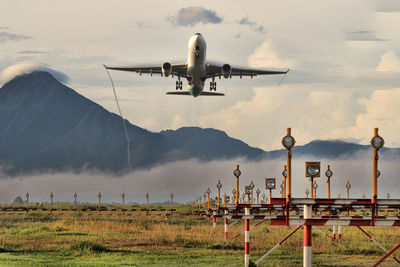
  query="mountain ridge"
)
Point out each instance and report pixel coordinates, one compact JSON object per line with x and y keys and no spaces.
{"x":48,"y":126}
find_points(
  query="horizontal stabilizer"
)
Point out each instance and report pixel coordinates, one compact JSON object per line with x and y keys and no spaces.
{"x":188,"y":93}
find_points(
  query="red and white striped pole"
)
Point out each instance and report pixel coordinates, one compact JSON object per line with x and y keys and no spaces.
{"x":226,"y":225}
{"x":334,"y":231}
{"x":247,"y":238}
{"x":214,"y":219}
{"x":307,"y":237}
{"x":339,"y":234}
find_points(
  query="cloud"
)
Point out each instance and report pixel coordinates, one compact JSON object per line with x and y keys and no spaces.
{"x":363,"y":36}
{"x":5,"y":37}
{"x":252,"y":24}
{"x":381,"y":110}
{"x":194,"y":15}
{"x":387,"y":5}
{"x":267,"y":56}
{"x":29,"y":52}
{"x":311,"y":114}
{"x":389,"y":62}
{"x":190,"y":178}
{"x":28,"y":67}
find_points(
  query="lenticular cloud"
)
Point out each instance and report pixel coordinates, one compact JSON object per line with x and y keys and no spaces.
{"x":26,"y":67}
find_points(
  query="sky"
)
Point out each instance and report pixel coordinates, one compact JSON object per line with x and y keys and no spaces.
{"x":343,"y":56}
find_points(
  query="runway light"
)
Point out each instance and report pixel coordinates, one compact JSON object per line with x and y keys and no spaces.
{"x":270,"y":183}
{"x":378,"y":173}
{"x":315,"y":185}
{"x":258,"y":194}
{"x":284,"y":172}
{"x":313,"y":169}
{"x":288,"y":141}
{"x":329,"y":174}
{"x":237,"y":173}
{"x":377,"y":142}
{"x":247,"y":190}
{"x":348,"y":185}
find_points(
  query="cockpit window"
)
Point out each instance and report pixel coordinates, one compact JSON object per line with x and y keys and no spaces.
{"x":197,"y":51}
{"x":197,"y":33}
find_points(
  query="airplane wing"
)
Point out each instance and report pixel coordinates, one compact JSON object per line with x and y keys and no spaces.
{"x":216,"y":71}
{"x":176,"y":69}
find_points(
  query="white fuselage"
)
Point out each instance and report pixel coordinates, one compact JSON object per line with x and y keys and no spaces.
{"x":196,"y":64}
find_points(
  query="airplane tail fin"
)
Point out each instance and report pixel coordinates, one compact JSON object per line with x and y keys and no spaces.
{"x":188,"y":93}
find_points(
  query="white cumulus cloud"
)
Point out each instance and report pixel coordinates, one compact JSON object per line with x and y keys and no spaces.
{"x":267,"y":56}
{"x":389,"y":62}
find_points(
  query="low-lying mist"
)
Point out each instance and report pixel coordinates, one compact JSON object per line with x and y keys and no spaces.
{"x":191,"y":178}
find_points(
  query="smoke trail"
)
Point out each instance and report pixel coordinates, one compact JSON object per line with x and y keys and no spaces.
{"x":123,"y":120}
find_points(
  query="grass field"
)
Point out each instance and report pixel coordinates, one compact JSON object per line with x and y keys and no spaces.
{"x":81,"y":239}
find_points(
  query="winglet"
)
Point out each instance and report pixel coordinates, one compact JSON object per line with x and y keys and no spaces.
{"x":105,"y":66}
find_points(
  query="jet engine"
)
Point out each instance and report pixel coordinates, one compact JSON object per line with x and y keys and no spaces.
{"x":226,"y":71}
{"x":166,"y":69}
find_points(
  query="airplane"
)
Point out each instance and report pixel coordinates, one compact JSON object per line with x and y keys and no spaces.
{"x":196,"y":70}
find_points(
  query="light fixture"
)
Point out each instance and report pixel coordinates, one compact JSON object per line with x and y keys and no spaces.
{"x":377,"y":142}
{"x":313,"y":169}
{"x":288,"y":141}
{"x":348,"y":186}
{"x":270,"y":183}
{"x":247,"y":190}
{"x":237,"y":173}
{"x":252,"y":185}
{"x":329,"y":173}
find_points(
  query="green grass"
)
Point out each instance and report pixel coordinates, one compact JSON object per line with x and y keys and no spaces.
{"x":69,"y":239}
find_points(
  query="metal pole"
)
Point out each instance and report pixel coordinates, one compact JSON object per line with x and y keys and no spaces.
{"x":334,"y":231}
{"x":219,"y":192}
{"x":214,"y":219}
{"x":123,"y":203}
{"x":289,"y":169}
{"x":270,"y":196}
{"x":208,"y":200}
{"x":329,"y":183}
{"x":237,"y":186}
{"x":226,"y":225}
{"x":315,"y":190}
{"x":27,"y":202}
{"x":387,"y":255}
{"x":277,"y":245}
{"x":247,"y":238}
{"x":375,"y":171}
{"x":307,"y":237}
{"x":51,"y":202}
{"x":312,"y":187}
{"x":75,"y":195}
{"x":378,"y":244}
{"x":251,"y":193}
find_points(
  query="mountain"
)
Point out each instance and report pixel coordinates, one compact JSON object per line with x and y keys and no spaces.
{"x":332,"y":149}
{"x":47,"y":126}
